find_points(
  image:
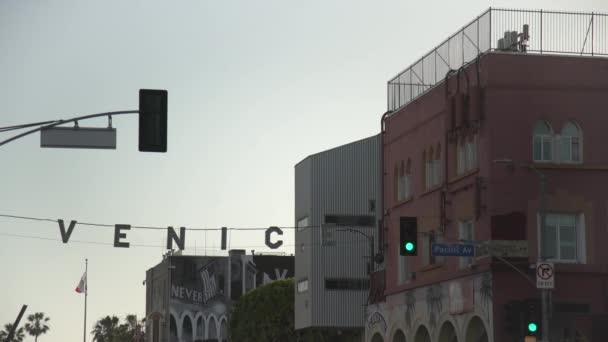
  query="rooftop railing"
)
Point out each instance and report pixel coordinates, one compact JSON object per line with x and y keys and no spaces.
{"x":510,"y":30}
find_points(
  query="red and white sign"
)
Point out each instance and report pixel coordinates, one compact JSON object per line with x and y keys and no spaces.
{"x":545,"y":275}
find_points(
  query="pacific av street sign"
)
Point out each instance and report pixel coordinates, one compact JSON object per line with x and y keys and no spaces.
{"x":446,"y":249}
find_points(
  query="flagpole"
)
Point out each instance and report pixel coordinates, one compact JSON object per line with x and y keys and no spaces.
{"x":86,"y":293}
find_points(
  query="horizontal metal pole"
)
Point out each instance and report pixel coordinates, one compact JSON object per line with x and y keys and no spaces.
{"x":61,"y":122}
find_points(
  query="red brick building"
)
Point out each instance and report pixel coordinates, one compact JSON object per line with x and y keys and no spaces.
{"x":464,"y":154}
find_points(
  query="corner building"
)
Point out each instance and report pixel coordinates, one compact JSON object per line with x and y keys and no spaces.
{"x":463,"y":152}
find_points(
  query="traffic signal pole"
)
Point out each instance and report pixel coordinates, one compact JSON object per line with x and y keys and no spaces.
{"x":61,"y":122}
{"x":544,"y":292}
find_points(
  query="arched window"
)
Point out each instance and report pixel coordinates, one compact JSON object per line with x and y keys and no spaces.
{"x":408,"y":179}
{"x":432,"y":162}
{"x":466,"y":153}
{"x":402,"y":179}
{"x":543,"y":142}
{"x":570,"y":143}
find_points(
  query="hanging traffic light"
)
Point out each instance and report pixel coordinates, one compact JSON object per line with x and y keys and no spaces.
{"x":408,"y":236}
{"x":152,"y":120}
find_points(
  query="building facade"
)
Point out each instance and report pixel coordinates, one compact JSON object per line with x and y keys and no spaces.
{"x":190,"y":298}
{"x":337,"y":205}
{"x":465,"y":157}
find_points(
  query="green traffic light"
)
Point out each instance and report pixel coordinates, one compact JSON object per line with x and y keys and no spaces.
{"x":532,"y":327}
{"x":409,"y":246}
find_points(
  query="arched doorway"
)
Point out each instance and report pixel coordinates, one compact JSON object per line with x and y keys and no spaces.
{"x":422,"y":335}
{"x":399,"y":336}
{"x":200,"y":329}
{"x":224,"y":329}
{"x":476,"y":331}
{"x":447,"y":333}
{"x":212,"y":335}
{"x":173,"y":329}
{"x":377,"y":338}
{"x":187,"y":330}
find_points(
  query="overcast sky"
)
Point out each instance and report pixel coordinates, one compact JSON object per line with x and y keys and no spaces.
{"x":254,"y":87}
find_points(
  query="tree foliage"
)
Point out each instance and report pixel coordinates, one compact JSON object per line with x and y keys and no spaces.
{"x":37,"y":324}
{"x":265,"y":314}
{"x":17,"y":337}
{"x":110,"y":329}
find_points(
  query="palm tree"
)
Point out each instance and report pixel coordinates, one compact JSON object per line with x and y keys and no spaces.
{"x":132,"y":324}
{"x":37,"y":324}
{"x":134,"y":328}
{"x":106,"y":329}
{"x":19,"y":333}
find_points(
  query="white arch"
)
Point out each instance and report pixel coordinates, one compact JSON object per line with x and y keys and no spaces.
{"x":375,"y":330}
{"x":185,"y":331}
{"x":468,"y":325}
{"x":446,"y":336}
{"x":223,"y":333}
{"x":212,"y":323}
{"x":200,"y":316}
{"x":397,"y":324}
{"x":419,"y":329}
{"x":393,"y":337}
{"x":377,"y":337}
{"x":178,"y":325}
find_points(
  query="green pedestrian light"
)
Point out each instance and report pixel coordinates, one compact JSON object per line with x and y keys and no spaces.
{"x":409,"y":246}
{"x":532,"y":327}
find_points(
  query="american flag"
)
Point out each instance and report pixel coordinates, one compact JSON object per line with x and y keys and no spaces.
{"x":209,"y":285}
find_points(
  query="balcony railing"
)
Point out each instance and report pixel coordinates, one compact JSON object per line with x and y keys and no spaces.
{"x":546,"y":32}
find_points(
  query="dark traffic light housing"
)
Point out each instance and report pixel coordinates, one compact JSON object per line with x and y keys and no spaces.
{"x":532,"y":318}
{"x":152,"y":120}
{"x":408,"y":236}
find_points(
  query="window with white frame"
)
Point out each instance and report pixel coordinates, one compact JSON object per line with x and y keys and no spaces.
{"x":403,"y":179}
{"x":466,"y":234}
{"x":570,"y":143}
{"x":431,"y":160}
{"x":543,"y":142}
{"x":466,"y":154}
{"x":567,"y":144}
{"x":563,"y":238}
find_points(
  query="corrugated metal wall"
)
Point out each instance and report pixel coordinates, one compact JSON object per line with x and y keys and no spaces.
{"x":342,"y":180}
{"x":303,"y":240}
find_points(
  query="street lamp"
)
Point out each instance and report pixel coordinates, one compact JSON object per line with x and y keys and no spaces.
{"x":542,"y":214}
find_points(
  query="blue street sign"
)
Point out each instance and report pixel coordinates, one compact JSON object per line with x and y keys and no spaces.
{"x":446,"y":249}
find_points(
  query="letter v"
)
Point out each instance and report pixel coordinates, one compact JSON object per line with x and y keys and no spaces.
{"x":66,"y":236}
